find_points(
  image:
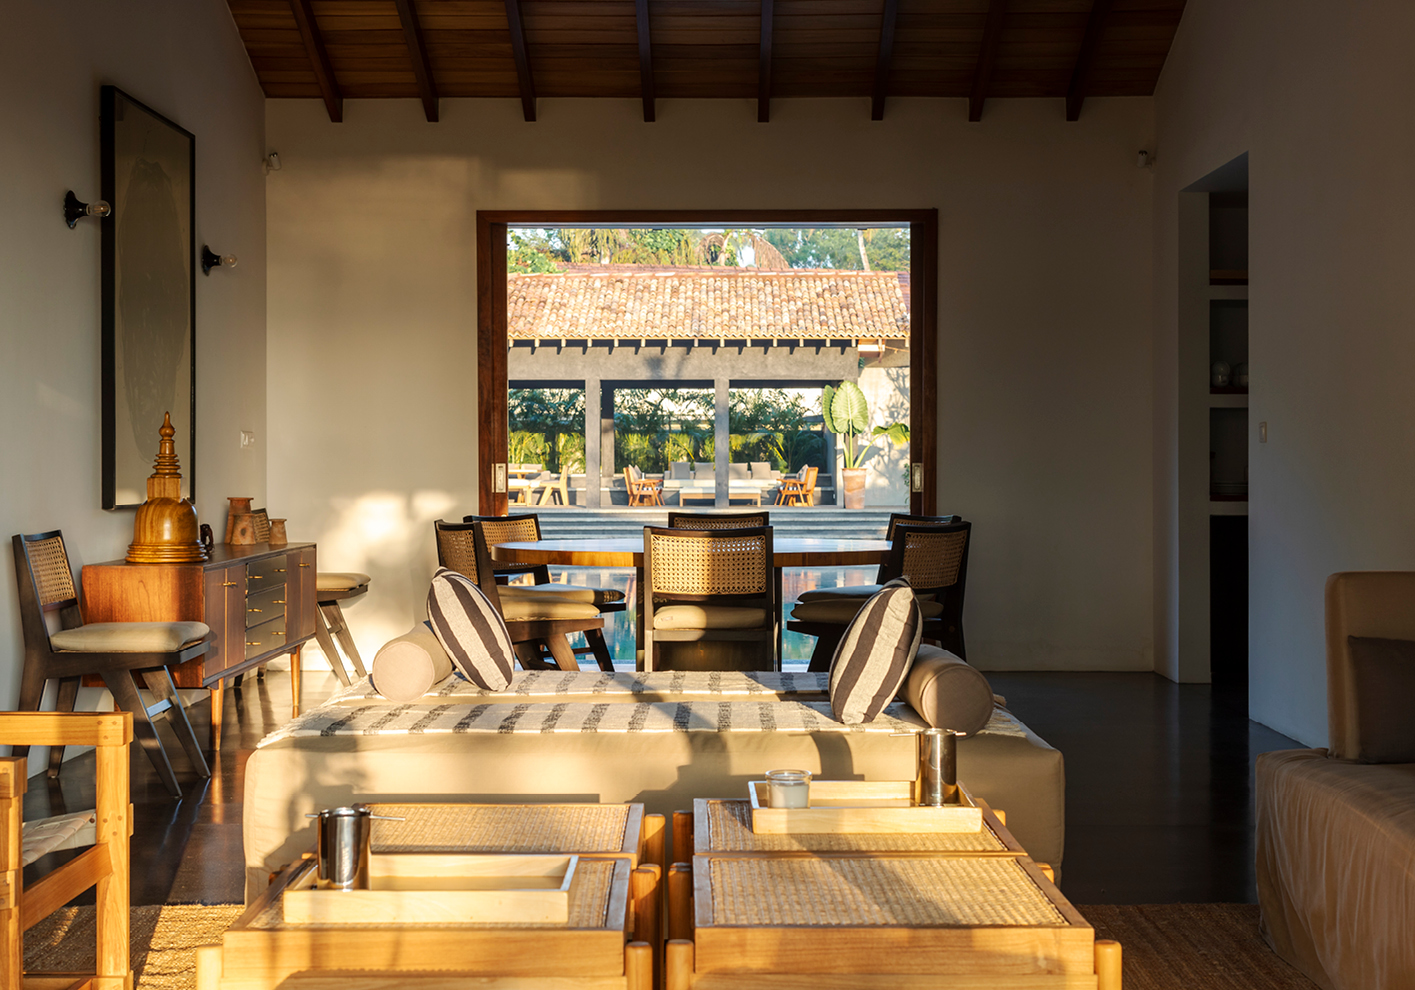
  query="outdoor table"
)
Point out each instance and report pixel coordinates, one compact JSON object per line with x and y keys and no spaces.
{"x":629,"y":552}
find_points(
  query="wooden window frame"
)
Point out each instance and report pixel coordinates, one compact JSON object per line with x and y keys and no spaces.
{"x":492,"y":229}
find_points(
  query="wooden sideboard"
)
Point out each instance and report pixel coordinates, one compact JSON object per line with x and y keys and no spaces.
{"x":258,"y":600}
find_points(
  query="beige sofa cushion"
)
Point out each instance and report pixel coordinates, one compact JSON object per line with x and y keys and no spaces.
{"x":708,"y":617}
{"x":570,"y":592}
{"x":408,"y":666}
{"x":948,"y":693}
{"x":340,"y":580}
{"x":129,"y":637}
{"x":520,"y":608}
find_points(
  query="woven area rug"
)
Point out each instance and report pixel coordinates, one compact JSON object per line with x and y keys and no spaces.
{"x":1165,"y":946}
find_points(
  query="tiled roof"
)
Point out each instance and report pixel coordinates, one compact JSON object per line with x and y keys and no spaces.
{"x":730,"y":305}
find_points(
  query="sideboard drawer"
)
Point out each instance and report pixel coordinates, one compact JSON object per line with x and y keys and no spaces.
{"x":265,"y":604}
{"x":269,"y":635}
{"x":266,"y":573}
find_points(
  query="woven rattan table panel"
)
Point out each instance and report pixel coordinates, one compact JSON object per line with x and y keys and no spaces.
{"x":730,"y":830}
{"x":882,"y":892}
{"x":452,"y":828}
{"x":589,"y":903}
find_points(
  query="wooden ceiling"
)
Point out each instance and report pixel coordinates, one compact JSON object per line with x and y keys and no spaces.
{"x":979,"y":49}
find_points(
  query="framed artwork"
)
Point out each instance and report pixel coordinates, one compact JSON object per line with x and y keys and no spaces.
{"x":149,"y":294}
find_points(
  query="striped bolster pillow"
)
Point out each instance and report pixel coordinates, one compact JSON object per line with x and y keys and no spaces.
{"x":874,"y":655}
{"x":470,"y":630}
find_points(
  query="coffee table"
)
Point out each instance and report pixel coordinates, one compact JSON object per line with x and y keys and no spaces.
{"x":609,"y":942}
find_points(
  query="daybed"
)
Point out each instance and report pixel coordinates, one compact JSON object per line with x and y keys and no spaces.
{"x":1336,"y":828}
{"x":659,"y":738}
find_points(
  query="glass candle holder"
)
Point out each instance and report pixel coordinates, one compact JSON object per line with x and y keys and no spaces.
{"x":788,"y":789}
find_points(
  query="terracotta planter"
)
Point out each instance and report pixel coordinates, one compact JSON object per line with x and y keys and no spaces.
{"x":853,"y":481}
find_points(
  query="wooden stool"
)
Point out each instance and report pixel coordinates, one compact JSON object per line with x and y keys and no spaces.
{"x":332,"y":588}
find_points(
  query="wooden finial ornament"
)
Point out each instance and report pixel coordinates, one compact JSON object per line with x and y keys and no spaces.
{"x":165,"y":530}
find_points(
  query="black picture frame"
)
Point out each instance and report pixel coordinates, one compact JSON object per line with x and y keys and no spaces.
{"x":149,"y":294}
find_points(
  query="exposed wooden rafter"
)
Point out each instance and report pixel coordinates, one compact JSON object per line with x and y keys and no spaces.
{"x":319,"y":58}
{"x":523,"y":61}
{"x":1080,"y":76}
{"x":764,"y":66}
{"x":987,"y":58}
{"x":417,"y":51}
{"x":641,"y":15}
{"x":886,"y":54}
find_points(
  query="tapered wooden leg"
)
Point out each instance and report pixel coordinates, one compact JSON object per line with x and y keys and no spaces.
{"x":560,"y":650}
{"x":218,"y":712}
{"x":600,"y":649}
{"x":678,"y":968}
{"x":114,"y":967}
{"x":528,"y":652}
{"x":682,"y":836}
{"x":326,"y":645}
{"x":68,"y":694}
{"x":680,"y":901}
{"x":654,"y":829}
{"x":127,"y":698}
{"x":296,"y":670}
{"x":346,"y":638}
{"x":159,"y":682}
{"x":1108,"y":976}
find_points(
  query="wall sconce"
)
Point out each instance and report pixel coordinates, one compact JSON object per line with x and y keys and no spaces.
{"x":74,"y":210}
{"x":210,"y":259}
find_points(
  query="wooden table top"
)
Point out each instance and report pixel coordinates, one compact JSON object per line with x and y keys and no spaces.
{"x":629,"y":552}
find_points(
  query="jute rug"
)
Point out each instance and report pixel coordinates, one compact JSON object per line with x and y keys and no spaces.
{"x":1166,"y":946}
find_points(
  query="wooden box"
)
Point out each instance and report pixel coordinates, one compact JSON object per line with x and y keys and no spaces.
{"x":422,"y":888}
{"x":862,"y":806}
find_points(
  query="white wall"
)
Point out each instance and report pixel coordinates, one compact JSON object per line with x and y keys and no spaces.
{"x":1045,"y":307}
{"x":1320,"y":95}
{"x":184,"y":59}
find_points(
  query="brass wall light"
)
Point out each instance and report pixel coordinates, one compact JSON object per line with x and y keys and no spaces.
{"x":75,"y":210}
{"x":210,"y":259}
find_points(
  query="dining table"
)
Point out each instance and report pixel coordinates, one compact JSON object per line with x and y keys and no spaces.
{"x":628,"y":551}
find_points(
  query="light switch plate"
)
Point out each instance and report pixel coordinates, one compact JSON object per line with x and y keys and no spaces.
{"x":247,"y":439}
{"x":916,"y":477}
{"x":498,"y":478}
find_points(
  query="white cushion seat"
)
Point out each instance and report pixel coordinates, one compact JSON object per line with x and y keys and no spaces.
{"x":516,"y":608}
{"x":840,"y":611}
{"x":39,"y":838}
{"x":709,"y":617}
{"x":860,"y":591}
{"x":569,"y":592}
{"x":339,"y":580}
{"x":129,"y":637}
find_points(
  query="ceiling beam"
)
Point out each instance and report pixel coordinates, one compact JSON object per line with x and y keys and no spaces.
{"x":641,"y":15}
{"x":319,"y":59}
{"x":886,"y":53}
{"x":1080,"y":76}
{"x":764,"y":66}
{"x":523,"y":62}
{"x":987,"y":58}
{"x":417,"y":51}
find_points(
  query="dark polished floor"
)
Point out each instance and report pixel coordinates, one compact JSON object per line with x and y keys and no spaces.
{"x":1159,"y":805}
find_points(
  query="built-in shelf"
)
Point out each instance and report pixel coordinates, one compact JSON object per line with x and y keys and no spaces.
{"x":1228,"y":508}
{"x":1228,"y":292}
{"x":1228,"y":276}
{"x":1228,"y":400}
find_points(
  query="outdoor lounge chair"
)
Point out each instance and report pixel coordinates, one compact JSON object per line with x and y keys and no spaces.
{"x":642,"y":491}
{"x":798,"y":490}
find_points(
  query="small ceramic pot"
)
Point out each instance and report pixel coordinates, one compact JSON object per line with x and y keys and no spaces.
{"x":277,"y":533}
{"x":238,"y":505}
{"x":243,"y":530}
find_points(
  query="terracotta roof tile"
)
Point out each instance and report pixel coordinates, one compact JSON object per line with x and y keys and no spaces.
{"x":733,"y":305}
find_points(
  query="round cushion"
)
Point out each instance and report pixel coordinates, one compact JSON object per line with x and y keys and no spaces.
{"x":407,"y":666}
{"x":947,"y":692}
{"x":470,"y":630}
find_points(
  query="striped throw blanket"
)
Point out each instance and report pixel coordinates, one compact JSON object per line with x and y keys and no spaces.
{"x":531,"y":684}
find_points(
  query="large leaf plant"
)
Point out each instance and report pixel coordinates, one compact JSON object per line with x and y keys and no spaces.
{"x":847,"y":415}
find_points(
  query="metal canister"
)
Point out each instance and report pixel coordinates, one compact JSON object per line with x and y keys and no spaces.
{"x":938,"y":767}
{"x":342,"y":850}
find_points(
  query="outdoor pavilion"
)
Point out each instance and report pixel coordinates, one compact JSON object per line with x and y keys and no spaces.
{"x":602,"y":328}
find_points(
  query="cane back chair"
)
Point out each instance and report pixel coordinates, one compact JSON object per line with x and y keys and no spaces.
{"x":718,"y":520}
{"x":525,"y":528}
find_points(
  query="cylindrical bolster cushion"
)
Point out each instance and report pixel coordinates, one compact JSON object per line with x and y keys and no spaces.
{"x":408,"y":666}
{"x":947,"y":693}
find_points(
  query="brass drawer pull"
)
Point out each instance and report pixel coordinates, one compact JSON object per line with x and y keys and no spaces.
{"x":304,"y":565}
{"x":228,"y":584}
{"x":253,"y":610}
{"x":278,"y":601}
{"x":255,"y":577}
{"x":249,"y":643}
{"x":279,"y":570}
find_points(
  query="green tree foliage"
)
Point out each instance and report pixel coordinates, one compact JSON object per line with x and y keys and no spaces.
{"x":530,"y":252}
{"x":549,"y":250}
{"x":887,"y":248}
{"x":541,"y":420}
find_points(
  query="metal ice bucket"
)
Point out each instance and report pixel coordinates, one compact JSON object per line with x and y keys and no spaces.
{"x":342,"y":849}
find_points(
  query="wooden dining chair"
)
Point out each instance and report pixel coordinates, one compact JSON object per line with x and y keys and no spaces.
{"x":103,"y":865}
{"x":525,"y":528}
{"x":539,"y":624}
{"x":118,"y":652}
{"x":718,"y":520}
{"x":934,"y":560}
{"x":706,"y":586}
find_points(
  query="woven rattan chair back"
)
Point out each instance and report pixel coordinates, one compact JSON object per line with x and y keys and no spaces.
{"x":457,"y":549}
{"x":905,"y":519}
{"x":48,"y":564}
{"x":718,"y":520}
{"x":508,"y":529}
{"x":934,"y":559}
{"x":703,"y":563}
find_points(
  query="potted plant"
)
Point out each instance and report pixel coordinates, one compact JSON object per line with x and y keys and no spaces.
{"x":847,"y":415}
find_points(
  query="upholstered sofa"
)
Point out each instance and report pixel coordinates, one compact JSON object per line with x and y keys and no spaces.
{"x":659,"y":738}
{"x":1336,"y":835}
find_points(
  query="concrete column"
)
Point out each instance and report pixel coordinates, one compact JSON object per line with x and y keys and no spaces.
{"x":606,"y":436}
{"x":593,"y":480}
{"x":722,"y":446}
